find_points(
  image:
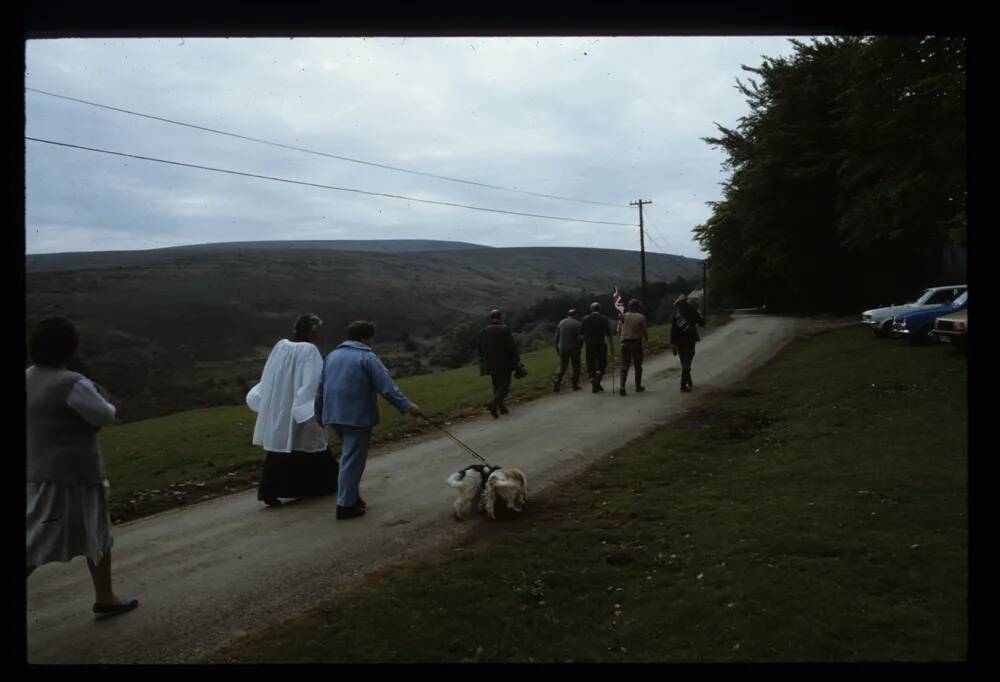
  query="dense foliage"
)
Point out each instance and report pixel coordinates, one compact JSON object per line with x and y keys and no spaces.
{"x":848,"y":176}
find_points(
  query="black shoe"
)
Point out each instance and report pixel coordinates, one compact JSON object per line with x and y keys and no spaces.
{"x":595,"y":389}
{"x":108,"y":610}
{"x":275,"y":502}
{"x":493,"y":410}
{"x":503,"y":409}
{"x":577,"y":387}
{"x":351,"y":512}
{"x":621,"y":391}
{"x":640,"y":389}
{"x":556,"y":386}
{"x":685,"y":389}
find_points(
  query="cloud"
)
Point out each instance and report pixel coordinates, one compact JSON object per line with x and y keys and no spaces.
{"x":606,"y":119}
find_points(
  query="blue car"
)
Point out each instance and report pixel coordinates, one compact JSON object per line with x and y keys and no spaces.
{"x":917,"y":325}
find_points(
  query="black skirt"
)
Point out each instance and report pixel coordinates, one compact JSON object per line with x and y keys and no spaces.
{"x":298,"y":474}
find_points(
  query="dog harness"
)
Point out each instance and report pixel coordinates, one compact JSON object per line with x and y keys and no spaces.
{"x":484,"y":471}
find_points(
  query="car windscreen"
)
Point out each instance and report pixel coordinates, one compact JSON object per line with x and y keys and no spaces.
{"x":961,"y":300}
{"x":924,"y":296}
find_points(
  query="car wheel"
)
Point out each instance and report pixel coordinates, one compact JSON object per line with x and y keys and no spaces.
{"x":882,"y":331}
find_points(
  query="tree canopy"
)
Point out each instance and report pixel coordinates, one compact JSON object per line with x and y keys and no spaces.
{"x":847,"y":177}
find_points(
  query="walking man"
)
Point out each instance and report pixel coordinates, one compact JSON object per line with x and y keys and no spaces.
{"x":595,"y":328}
{"x":568,"y":345}
{"x":353,"y":376}
{"x":498,"y":356}
{"x":684,"y":335}
{"x":634,"y":332}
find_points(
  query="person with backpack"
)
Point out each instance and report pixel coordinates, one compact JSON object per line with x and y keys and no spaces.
{"x":684,"y":335}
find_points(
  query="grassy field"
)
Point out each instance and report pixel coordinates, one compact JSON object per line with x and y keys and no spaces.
{"x":815,"y":512}
{"x":157,"y":464}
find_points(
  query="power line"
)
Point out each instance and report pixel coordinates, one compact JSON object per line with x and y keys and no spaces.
{"x":658,"y":234}
{"x":314,"y":184}
{"x":311,"y":151}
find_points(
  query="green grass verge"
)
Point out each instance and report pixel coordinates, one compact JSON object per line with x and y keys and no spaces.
{"x":815,"y":512}
{"x":161,"y":463}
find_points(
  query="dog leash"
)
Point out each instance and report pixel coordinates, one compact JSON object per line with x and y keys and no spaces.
{"x":447,"y":433}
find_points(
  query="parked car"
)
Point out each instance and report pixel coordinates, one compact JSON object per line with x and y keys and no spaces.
{"x":879,"y":320}
{"x":953,"y":327}
{"x":917,"y":325}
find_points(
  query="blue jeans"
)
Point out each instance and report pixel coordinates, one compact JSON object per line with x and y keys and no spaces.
{"x":353,"y":457}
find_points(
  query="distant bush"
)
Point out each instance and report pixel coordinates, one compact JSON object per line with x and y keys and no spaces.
{"x":449,"y":359}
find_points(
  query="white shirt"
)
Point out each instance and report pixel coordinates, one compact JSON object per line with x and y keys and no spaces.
{"x":285,"y":399}
{"x":89,"y":404}
{"x":84,"y":399}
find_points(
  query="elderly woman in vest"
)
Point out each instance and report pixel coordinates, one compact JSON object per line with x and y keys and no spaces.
{"x":298,"y":461}
{"x":67,"y":491}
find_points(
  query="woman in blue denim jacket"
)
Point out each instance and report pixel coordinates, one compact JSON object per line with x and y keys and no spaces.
{"x":347,"y":400}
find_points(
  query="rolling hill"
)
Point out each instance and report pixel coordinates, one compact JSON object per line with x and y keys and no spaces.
{"x":185,"y":327}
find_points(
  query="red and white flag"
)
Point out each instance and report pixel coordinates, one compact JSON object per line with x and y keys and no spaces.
{"x":616,"y":300}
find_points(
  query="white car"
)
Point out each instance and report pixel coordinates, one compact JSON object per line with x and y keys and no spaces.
{"x":879,"y":320}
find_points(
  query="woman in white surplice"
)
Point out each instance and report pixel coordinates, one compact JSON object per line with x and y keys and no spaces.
{"x":298,"y":461}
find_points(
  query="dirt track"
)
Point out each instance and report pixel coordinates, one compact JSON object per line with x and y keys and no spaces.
{"x":218,"y":569}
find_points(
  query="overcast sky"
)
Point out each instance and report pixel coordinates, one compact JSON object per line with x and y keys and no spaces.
{"x":603,"y":119}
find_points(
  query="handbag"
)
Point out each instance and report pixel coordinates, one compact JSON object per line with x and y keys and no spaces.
{"x":520,"y":371}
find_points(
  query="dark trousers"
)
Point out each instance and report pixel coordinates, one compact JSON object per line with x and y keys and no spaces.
{"x":565,"y":359}
{"x":597,"y":360}
{"x":298,"y":474}
{"x":685,"y":352}
{"x":501,"y":387}
{"x":632,"y":355}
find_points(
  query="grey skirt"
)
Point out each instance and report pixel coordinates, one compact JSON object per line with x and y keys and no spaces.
{"x":66,"y":521}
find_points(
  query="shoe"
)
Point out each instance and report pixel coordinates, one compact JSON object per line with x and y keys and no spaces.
{"x":361,"y":503}
{"x":556,"y":386}
{"x":493,"y":410}
{"x":621,"y":391}
{"x":640,"y":389}
{"x":108,"y":610}
{"x":351,"y":512}
{"x":503,"y":409}
{"x":685,"y":389}
{"x":275,"y":502}
{"x":595,"y":389}
{"x":577,"y":387}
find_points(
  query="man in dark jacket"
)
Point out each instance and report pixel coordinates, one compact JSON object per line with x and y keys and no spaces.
{"x":595,"y":328}
{"x":498,"y":354}
{"x":684,"y":335}
{"x":568,"y":344}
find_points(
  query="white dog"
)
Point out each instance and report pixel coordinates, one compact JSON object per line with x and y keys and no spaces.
{"x":488,"y":488}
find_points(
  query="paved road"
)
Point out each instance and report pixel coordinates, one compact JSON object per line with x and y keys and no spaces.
{"x":218,"y":569}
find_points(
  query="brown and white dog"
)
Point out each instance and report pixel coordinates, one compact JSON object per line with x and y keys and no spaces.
{"x":488,"y":488}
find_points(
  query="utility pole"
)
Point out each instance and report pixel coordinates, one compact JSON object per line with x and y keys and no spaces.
{"x":642,"y":247}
